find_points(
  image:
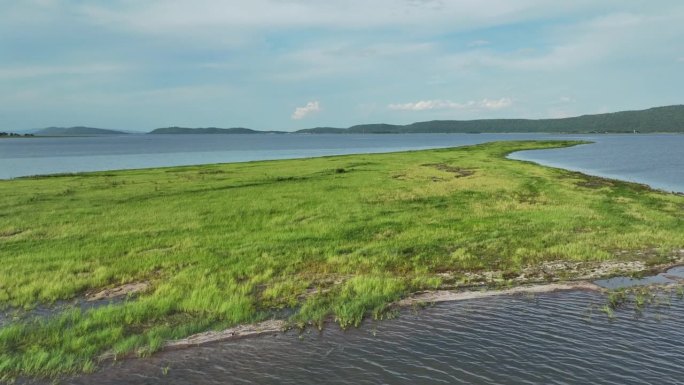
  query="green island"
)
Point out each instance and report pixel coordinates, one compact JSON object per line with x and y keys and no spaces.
{"x":310,"y":240}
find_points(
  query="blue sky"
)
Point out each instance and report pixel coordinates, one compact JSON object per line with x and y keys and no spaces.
{"x":290,"y":64}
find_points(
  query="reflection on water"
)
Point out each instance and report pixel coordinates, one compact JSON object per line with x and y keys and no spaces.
{"x":557,"y":338}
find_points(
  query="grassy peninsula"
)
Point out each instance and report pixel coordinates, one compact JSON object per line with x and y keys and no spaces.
{"x":336,"y":237}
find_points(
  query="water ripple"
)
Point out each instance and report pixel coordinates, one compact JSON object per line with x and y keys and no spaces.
{"x":550,"y":339}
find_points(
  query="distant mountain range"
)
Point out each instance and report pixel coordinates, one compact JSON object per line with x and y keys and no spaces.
{"x":76,"y":131}
{"x":210,"y":130}
{"x":658,"y":119}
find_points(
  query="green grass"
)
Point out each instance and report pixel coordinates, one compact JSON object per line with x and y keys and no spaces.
{"x":336,"y":237}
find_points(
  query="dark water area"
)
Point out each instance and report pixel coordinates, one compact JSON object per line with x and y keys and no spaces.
{"x":554,"y":338}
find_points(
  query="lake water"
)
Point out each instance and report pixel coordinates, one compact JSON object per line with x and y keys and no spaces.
{"x":31,"y":156}
{"x":654,"y":159}
{"x":556,"y":338}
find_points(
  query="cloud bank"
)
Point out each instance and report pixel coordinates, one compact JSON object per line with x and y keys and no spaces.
{"x":139,"y":64}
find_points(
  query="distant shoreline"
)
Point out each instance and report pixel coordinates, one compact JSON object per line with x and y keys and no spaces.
{"x":345,"y":133}
{"x":666,"y":119}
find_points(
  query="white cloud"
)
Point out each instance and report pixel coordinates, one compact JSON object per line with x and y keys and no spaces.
{"x":590,"y":42}
{"x":169,"y":15}
{"x":351,"y":51}
{"x":495,"y":104}
{"x":341,"y":59}
{"x":438,"y":104}
{"x":478,"y":43}
{"x":302,"y":112}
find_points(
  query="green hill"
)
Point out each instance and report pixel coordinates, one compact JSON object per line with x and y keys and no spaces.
{"x":652,"y":120}
{"x":76,"y":131}
{"x":658,"y":119}
{"x":323,"y":130}
{"x":210,"y":130}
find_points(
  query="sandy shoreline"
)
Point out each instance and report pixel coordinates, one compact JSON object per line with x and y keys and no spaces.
{"x":240,"y":331}
{"x":451,"y":295}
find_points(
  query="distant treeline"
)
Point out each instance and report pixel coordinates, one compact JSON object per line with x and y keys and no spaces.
{"x":658,"y":119}
{"x":210,"y":130}
{"x":77,"y":131}
{"x":13,"y":135}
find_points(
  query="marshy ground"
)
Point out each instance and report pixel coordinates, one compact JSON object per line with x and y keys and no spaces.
{"x":338,"y":237}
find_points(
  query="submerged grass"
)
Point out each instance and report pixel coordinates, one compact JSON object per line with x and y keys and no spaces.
{"x":640,"y":298}
{"x":338,"y":237}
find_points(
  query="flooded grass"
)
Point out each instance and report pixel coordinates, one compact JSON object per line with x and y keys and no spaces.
{"x":520,"y":339}
{"x":223,"y":245}
{"x":642,"y":298}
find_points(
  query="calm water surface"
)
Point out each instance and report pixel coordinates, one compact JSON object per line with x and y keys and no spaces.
{"x":557,"y":338}
{"x":654,"y":159}
{"x":31,"y":156}
{"x":657,"y":160}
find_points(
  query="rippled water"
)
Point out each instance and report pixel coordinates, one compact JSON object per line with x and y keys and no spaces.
{"x":556,"y":338}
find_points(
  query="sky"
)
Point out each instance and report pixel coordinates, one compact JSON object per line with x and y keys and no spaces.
{"x":292,"y":64}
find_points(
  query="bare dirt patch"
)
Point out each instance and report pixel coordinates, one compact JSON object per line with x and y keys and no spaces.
{"x":119,"y":291}
{"x":458,"y":172}
{"x":10,"y":233}
{"x":646,"y":261}
{"x":240,"y":331}
{"x":448,"y":295}
{"x":595,"y":183}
